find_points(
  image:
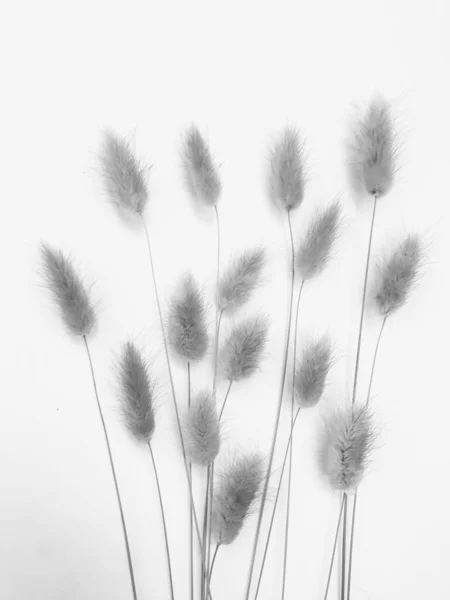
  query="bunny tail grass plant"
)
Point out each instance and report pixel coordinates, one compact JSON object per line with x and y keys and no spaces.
{"x":287,"y":182}
{"x":312,"y":257}
{"x":346,"y":445}
{"x":78,"y":315}
{"x":240,"y":279}
{"x":137,"y":394}
{"x":235,"y":497}
{"x":202,"y":430}
{"x":397,"y":276}
{"x":126,"y":186}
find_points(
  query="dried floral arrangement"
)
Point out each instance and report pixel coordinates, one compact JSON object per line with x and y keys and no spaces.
{"x":349,"y":432}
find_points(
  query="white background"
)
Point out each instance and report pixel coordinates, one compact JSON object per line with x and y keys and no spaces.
{"x":241,"y":71}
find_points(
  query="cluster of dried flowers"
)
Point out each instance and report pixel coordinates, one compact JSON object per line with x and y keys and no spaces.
{"x":348,"y":429}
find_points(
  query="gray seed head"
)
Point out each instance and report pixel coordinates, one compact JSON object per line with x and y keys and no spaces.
{"x":69,"y":292}
{"x":137,"y":393}
{"x":398,"y":274}
{"x":202,"y":430}
{"x":315,"y":250}
{"x":201,"y":173}
{"x":287,"y":171}
{"x":346,"y":446}
{"x":242,"y":351}
{"x":236,"y":496}
{"x":312,"y":372}
{"x":373,"y":150}
{"x":240,"y":279}
{"x":187,"y":330}
{"x":123,"y":175}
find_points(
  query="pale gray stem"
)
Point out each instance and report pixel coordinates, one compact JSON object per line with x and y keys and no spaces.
{"x":113,"y":471}
{"x":225,"y":400}
{"x":344,"y":549}
{"x":334,"y":550}
{"x":191,"y":523}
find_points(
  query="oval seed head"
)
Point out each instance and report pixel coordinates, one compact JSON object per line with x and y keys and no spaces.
{"x":398,"y":274}
{"x":137,"y":391}
{"x":287,"y":171}
{"x":187,"y":331}
{"x":123,"y":175}
{"x":236,"y":495}
{"x":69,"y":292}
{"x":316,"y":248}
{"x":202,"y":430}
{"x":346,"y":446}
{"x":240,"y":279}
{"x":373,"y":150}
{"x":201,"y":173}
{"x":312,"y":372}
{"x":242,"y":351}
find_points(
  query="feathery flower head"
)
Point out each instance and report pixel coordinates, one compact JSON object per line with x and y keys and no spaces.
{"x":312,"y":372}
{"x":137,"y":391}
{"x":315,"y":250}
{"x":187,"y":331}
{"x":202,"y":430}
{"x":68,"y":291}
{"x":287,"y":170}
{"x":123,"y":175}
{"x":240,"y":279}
{"x":201,"y":173}
{"x":235,"y":497}
{"x":373,"y":151}
{"x":348,"y":440}
{"x":398,"y":274}
{"x":242,"y":351}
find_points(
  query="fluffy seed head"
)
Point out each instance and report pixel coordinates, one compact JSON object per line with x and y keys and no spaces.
{"x":240,"y":279}
{"x":287,"y":174}
{"x":201,"y":173}
{"x":137,"y":393}
{"x":187,"y":330}
{"x":68,"y":291}
{"x":123,"y":175}
{"x":202,"y":430}
{"x":373,"y":150}
{"x":315,"y":250}
{"x":398,"y":274}
{"x":312,"y":371}
{"x":236,"y":495}
{"x":242,"y":351}
{"x":347,"y":442}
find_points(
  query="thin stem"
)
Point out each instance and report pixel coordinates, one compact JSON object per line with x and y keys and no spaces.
{"x":344,"y":549}
{"x":172,"y":386}
{"x":334,"y":549}
{"x":363,"y":302}
{"x":277,"y":417}
{"x":208,"y":547}
{"x":291,"y":443}
{"x":113,"y":471}
{"x":214,"y":560}
{"x":225,"y":400}
{"x":191,"y":524}
{"x":275,"y":503}
{"x":166,"y":537}
{"x":352,"y":530}
{"x":205,"y":532}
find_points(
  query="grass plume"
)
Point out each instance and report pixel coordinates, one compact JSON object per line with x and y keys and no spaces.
{"x":316,"y":248}
{"x":287,"y":170}
{"x":398,"y":274}
{"x":137,"y":393}
{"x":187,"y":330}
{"x":242,"y":351}
{"x":69,"y":292}
{"x":312,"y":371}
{"x":202,"y":430}
{"x":373,"y":150}
{"x":346,"y":446}
{"x":240,"y":279}
{"x":236,"y":495}
{"x":123,"y":175}
{"x":201,"y":173}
